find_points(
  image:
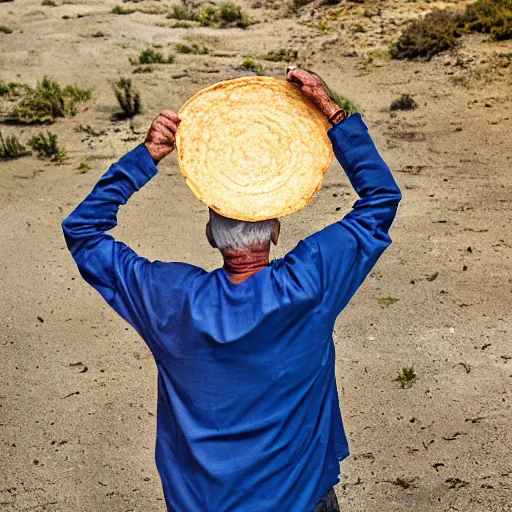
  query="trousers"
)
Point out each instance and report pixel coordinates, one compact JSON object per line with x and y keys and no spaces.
{"x":329,"y":503}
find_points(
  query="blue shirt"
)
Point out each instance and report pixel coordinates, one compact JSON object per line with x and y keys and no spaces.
{"x":248,"y":416}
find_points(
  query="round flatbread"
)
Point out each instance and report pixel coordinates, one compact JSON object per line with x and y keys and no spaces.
{"x":253,"y":148}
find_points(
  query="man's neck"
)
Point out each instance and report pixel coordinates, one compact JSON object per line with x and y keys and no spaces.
{"x":240,"y":264}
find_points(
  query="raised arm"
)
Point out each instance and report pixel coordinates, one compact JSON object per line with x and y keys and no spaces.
{"x":111,"y":267}
{"x":346,"y":251}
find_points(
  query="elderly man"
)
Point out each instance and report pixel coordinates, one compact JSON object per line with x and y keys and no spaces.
{"x":248,"y":414}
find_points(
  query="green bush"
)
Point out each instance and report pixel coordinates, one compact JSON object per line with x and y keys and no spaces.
{"x":47,"y":147}
{"x":181,"y":24}
{"x":492,"y":17}
{"x":436,"y":32}
{"x":128,"y":100}
{"x":180,"y":13}
{"x":11,"y":148}
{"x":151,"y":56}
{"x":49,"y":3}
{"x":121,"y":10}
{"x":77,"y":94}
{"x":5,"y":30}
{"x":251,"y":64}
{"x":84,"y":166}
{"x":194,"y":49}
{"x":48,"y":101}
{"x":208,"y":16}
{"x":440,"y":29}
{"x":407,"y":376}
{"x":223,"y":15}
{"x":12,"y":89}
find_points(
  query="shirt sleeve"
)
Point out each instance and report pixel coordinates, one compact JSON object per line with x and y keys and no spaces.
{"x":342,"y":255}
{"x":109,"y":266}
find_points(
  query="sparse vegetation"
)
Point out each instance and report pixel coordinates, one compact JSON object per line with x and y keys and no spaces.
{"x":250,"y":64}
{"x":11,"y":147}
{"x":344,"y":103}
{"x":151,"y":56}
{"x":208,"y":16}
{"x":492,"y":17}
{"x":182,"y":24}
{"x":49,"y":3}
{"x":12,"y":89}
{"x":118,"y":9}
{"x":439,"y":30}
{"x":77,"y":94}
{"x":223,"y":15}
{"x":84,"y":166}
{"x":406,"y":377}
{"x":48,"y":101}
{"x":128,"y":100}
{"x":323,"y":27}
{"x":5,"y":30}
{"x":405,"y":102}
{"x":387,"y":301}
{"x":358,"y":28}
{"x":193,"y":48}
{"x":98,"y":34}
{"x":281,"y":55}
{"x":47,"y":147}
{"x":231,"y":13}
{"x":179,"y":12}
{"x":436,"y":32}
{"x":89,"y":130}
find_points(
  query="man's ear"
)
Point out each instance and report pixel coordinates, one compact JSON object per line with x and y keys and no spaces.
{"x":276,"y":231}
{"x":209,"y":235}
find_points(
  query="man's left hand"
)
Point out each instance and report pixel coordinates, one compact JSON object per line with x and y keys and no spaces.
{"x":161,"y":137}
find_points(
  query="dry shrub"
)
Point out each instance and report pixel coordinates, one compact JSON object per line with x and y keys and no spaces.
{"x":48,"y":101}
{"x":405,"y":102}
{"x":436,"y":32}
{"x":492,"y":17}
{"x":439,"y":30}
{"x":128,"y":100}
{"x":47,"y":147}
{"x":11,"y":147}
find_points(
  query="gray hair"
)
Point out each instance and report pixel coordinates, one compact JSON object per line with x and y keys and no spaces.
{"x":237,"y":234}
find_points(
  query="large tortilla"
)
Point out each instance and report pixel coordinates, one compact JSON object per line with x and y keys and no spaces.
{"x":253,"y":148}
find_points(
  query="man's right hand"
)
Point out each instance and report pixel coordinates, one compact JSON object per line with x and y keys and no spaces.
{"x":313,"y":89}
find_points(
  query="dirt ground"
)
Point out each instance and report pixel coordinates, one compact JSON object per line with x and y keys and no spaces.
{"x":78,"y":386}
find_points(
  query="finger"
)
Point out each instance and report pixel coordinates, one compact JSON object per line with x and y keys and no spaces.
{"x":166,"y":133}
{"x":165,"y":121}
{"x":169,"y":114}
{"x":293,"y":76}
{"x":289,"y":68}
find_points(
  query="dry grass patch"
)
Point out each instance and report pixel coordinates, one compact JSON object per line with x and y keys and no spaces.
{"x":128,"y":99}
{"x":439,"y":30}
{"x":11,"y":148}
{"x":47,"y":147}
{"x":151,"y":56}
{"x":48,"y":101}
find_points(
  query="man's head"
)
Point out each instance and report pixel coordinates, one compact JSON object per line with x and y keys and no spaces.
{"x":224,"y":233}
